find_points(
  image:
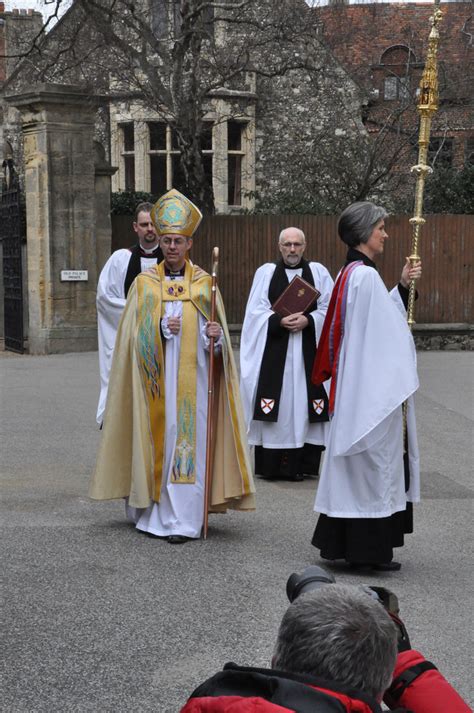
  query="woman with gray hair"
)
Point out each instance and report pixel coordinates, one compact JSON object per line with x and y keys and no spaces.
{"x":370,"y":477}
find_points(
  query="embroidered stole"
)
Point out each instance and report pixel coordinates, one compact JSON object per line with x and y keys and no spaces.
{"x":184,"y":463}
{"x":153,"y":293}
{"x":327,"y":357}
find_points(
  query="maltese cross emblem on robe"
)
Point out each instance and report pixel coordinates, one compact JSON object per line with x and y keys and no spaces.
{"x":318,"y":405}
{"x":267,"y":405}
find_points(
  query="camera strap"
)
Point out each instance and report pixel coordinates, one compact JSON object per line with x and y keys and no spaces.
{"x":405,"y":679}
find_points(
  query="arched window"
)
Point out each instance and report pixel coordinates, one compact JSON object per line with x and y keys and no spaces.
{"x":397,"y":61}
{"x":398,"y":56}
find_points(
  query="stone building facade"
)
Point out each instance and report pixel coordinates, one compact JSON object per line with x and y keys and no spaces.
{"x":144,"y":148}
{"x":257,"y":127}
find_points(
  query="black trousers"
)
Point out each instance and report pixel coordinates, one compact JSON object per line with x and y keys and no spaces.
{"x":274,"y":463}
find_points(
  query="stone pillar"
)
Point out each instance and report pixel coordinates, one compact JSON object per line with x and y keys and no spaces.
{"x":103,"y":225}
{"x":58,"y":131}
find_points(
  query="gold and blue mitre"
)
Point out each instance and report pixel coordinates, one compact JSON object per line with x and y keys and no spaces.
{"x":174,"y":214}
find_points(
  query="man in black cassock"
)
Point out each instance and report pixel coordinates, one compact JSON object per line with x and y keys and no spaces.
{"x":286,"y":414}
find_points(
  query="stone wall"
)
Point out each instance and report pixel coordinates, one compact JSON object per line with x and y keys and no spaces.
{"x":428,"y":337}
{"x":303,"y":120}
{"x":444,"y":337}
{"x":67,"y":210}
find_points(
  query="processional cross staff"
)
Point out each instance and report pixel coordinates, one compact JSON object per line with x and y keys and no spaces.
{"x":427,"y":106}
{"x":210,"y":396}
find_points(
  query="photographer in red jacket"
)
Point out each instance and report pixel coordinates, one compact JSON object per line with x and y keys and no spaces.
{"x":338,"y":651}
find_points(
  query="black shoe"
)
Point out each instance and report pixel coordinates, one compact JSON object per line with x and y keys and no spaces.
{"x":177,"y":539}
{"x":297,"y":478}
{"x":387,"y":566}
{"x":380,"y":567}
{"x":361,"y":566}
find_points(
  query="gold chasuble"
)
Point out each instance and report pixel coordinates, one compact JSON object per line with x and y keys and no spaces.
{"x":131,"y":454}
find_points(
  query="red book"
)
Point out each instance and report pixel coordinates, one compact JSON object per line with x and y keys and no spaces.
{"x":298,"y":297}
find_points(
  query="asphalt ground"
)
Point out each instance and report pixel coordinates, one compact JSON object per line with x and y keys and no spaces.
{"x":99,"y":617}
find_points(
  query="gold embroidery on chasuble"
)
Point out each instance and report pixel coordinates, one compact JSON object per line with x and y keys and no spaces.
{"x":151,"y":366}
{"x":153,"y":292}
{"x":184,"y":461}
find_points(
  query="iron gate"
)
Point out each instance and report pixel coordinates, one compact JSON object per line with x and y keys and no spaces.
{"x":12,"y":230}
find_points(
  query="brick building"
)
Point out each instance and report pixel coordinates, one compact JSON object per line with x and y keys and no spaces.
{"x":383,"y":47}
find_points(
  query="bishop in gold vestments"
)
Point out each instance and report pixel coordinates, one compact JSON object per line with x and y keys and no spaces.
{"x":153,"y":450}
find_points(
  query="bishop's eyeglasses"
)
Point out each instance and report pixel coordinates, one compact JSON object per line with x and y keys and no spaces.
{"x":167,"y":242}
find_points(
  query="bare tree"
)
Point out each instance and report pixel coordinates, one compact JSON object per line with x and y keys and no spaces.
{"x":174,"y":56}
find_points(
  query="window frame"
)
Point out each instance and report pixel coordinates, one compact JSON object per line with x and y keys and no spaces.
{"x":243,"y":124}
{"x":170,"y":151}
{"x":128,"y":167}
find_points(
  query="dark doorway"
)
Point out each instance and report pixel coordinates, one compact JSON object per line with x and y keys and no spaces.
{"x":12,"y":233}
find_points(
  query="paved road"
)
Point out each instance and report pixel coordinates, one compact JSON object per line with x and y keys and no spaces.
{"x":102,"y":618}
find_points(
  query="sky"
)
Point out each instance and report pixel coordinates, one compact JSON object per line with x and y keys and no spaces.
{"x":41,"y":5}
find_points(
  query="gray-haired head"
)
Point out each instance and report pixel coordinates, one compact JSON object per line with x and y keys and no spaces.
{"x":357,"y":222}
{"x":291,"y":233}
{"x":341,"y":634}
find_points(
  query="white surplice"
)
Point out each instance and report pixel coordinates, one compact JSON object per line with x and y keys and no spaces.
{"x":293,"y":429}
{"x":363,"y":473}
{"x":110,"y":303}
{"x":181,"y":507}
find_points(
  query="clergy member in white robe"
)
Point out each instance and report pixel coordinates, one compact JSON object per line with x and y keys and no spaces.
{"x":153,"y":450}
{"x":115,"y":280}
{"x":287,"y":416}
{"x":368,"y":482}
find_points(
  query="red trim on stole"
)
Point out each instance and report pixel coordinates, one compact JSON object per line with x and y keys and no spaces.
{"x":327,"y":356}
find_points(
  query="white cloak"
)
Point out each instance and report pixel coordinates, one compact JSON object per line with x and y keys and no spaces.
{"x":293,"y":429}
{"x":110,"y":303}
{"x":363,"y":474}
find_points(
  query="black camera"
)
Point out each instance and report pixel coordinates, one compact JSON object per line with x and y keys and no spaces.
{"x":314,"y":577}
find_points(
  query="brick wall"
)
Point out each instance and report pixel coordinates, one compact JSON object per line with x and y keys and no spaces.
{"x":359,"y":34}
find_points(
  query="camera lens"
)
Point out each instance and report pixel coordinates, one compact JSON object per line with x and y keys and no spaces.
{"x":311,"y":578}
